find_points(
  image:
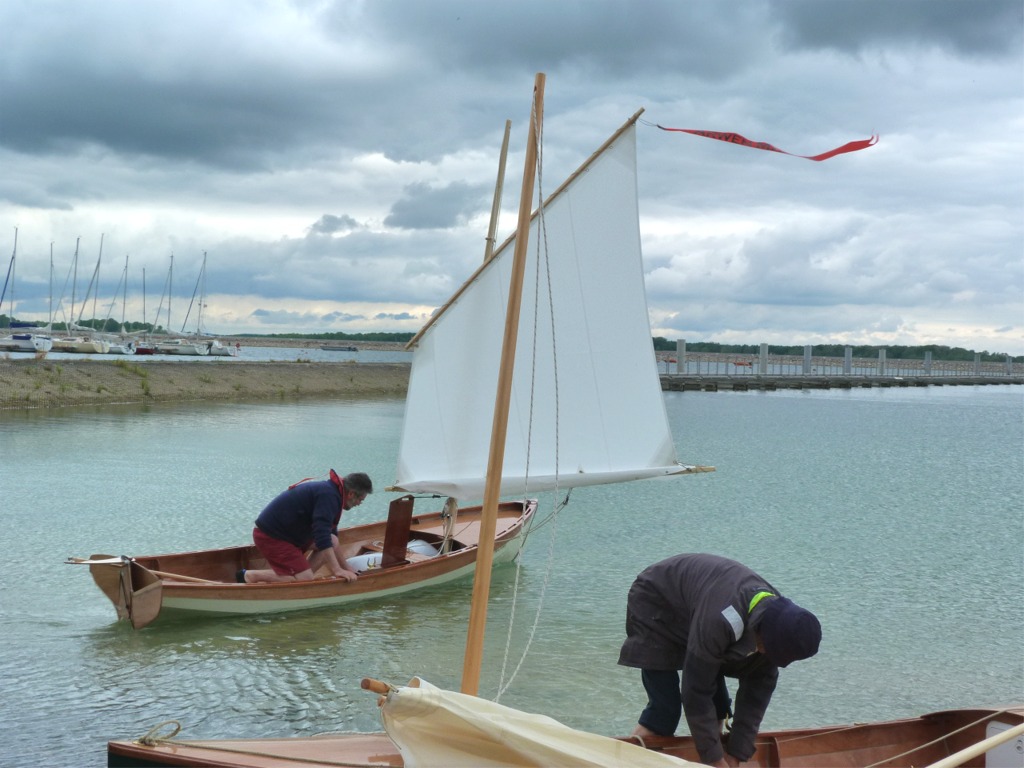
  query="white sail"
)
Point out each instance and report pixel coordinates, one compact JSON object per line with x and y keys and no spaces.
{"x":608,"y":421}
{"x":482,"y":734}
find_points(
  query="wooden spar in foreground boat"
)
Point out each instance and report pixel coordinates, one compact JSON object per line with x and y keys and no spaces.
{"x":473,"y":659}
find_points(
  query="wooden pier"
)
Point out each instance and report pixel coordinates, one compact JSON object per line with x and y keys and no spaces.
{"x":683,"y":371}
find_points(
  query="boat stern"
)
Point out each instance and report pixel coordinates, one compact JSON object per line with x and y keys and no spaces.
{"x":136,"y":592}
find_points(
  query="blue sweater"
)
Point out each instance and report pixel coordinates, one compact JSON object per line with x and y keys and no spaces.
{"x":307,"y":514}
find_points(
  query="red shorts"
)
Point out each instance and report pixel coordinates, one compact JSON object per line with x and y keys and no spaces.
{"x":286,"y":559}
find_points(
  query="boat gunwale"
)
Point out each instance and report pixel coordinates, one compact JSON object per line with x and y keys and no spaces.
{"x":230,"y":753}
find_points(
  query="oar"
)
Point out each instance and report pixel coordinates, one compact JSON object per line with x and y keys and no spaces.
{"x":121,"y":561}
{"x":180,"y":577}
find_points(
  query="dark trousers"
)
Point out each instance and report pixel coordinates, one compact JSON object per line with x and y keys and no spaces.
{"x":665,"y":700}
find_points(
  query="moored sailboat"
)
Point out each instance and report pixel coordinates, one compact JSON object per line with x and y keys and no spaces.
{"x":26,"y":342}
{"x":24,"y":337}
{"x":120,"y":343}
{"x":219,"y":349}
{"x":182,"y":347}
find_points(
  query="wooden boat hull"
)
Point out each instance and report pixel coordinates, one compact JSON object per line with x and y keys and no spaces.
{"x":917,"y":741}
{"x":203,"y":582}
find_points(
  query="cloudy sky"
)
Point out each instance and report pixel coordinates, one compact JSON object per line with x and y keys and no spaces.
{"x":337,"y":160}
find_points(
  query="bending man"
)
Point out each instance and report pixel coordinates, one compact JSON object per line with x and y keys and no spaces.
{"x":307,"y":514}
{"x":711,"y":618}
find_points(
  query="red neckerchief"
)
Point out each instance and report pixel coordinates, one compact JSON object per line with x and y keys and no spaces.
{"x":334,"y":479}
{"x":338,"y":482}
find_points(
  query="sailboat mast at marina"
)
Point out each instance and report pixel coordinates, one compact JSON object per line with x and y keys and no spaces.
{"x":22,"y":338}
{"x":120,"y":343}
{"x":79,"y":338}
{"x":196,"y":344}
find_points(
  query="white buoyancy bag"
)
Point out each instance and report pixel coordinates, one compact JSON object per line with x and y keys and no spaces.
{"x":371,"y":560}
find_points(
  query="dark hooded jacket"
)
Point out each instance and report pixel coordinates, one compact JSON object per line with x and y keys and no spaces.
{"x":698,"y":614}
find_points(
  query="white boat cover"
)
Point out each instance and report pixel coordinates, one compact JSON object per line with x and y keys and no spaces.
{"x":586,"y":410}
{"x":434,"y":727}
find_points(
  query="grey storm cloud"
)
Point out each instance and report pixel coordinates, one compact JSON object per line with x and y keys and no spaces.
{"x":425,"y":207}
{"x":329,"y":224}
{"x":336,"y":160}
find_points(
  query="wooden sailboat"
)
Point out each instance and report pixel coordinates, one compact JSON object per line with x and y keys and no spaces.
{"x":459,"y":363}
{"x":427,"y":726}
{"x":404,"y":553}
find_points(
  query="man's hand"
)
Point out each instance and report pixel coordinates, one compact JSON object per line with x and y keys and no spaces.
{"x":346,"y":575}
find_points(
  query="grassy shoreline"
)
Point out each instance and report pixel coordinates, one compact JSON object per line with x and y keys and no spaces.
{"x":58,"y":384}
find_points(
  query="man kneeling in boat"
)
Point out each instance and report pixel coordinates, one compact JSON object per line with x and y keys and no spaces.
{"x":307,"y":514}
{"x":712,"y":618}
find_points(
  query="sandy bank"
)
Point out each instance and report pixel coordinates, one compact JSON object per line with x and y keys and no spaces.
{"x":52,"y":384}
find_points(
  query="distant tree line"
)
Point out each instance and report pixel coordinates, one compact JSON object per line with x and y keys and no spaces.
{"x":895,"y":352}
{"x":333,"y":336}
{"x":103,"y":326}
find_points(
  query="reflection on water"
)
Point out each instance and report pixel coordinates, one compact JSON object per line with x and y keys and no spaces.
{"x":863,"y":505}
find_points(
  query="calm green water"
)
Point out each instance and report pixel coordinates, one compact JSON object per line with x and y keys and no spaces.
{"x":896,"y":515}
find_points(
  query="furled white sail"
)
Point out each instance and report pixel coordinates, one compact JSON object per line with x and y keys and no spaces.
{"x":589,"y":337}
{"x":480,"y":734}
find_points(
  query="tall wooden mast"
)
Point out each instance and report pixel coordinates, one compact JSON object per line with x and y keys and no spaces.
{"x":473,"y":659}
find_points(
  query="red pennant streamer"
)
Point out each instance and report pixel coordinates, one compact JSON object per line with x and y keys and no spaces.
{"x":735,"y":138}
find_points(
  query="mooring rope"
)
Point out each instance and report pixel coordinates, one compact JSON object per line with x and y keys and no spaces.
{"x":152,"y":737}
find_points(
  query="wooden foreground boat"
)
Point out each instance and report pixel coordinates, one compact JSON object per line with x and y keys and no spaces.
{"x":968,"y":737}
{"x":403,"y":553}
